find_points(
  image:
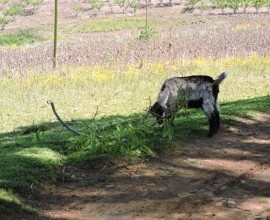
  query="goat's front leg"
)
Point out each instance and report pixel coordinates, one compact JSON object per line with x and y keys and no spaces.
{"x":212,"y":125}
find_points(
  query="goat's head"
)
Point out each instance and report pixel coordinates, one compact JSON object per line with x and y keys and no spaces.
{"x":157,"y":111}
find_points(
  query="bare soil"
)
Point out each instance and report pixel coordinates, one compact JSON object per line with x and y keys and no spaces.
{"x":224,"y":177}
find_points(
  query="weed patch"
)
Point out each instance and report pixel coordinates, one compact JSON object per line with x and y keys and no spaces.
{"x":106,"y":25}
{"x":19,"y":38}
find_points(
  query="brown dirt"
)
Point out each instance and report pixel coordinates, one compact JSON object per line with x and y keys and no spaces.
{"x":192,"y":182}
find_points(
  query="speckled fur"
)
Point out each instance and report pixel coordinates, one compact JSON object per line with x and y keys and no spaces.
{"x":193,"y":91}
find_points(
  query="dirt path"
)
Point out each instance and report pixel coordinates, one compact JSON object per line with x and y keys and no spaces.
{"x":226,"y":177}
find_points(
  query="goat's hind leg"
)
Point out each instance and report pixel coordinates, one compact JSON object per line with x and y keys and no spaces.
{"x":217,"y":121}
{"x":216,"y":112}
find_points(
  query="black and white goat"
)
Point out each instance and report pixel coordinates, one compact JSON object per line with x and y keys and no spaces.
{"x":199,"y":91}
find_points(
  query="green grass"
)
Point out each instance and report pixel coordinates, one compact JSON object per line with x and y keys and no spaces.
{"x":30,"y":158}
{"x":13,"y":10}
{"x":78,"y":90}
{"x":106,"y":25}
{"x":29,"y":161}
{"x":10,"y":202}
{"x":19,"y":38}
{"x":33,"y":146}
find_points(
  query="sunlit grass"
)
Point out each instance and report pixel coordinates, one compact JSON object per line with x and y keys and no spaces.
{"x":78,"y":90}
{"x":8,"y":196}
{"x":247,"y":78}
{"x":8,"y":199}
{"x":106,"y":25}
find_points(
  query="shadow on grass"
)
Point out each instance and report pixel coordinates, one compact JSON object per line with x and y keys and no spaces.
{"x":31,"y":156}
{"x":17,"y":211}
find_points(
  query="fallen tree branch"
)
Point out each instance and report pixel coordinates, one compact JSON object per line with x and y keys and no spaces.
{"x":62,"y":122}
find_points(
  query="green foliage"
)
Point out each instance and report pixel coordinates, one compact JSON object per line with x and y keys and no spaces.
{"x":105,"y":25}
{"x":125,"y":139}
{"x":148,"y":33}
{"x":3,"y":22}
{"x":34,"y":2}
{"x":135,"y":5}
{"x":233,"y":4}
{"x":260,"y":3}
{"x":168,"y":129}
{"x":244,"y":3}
{"x":96,"y":4}
{"x":121,"y":3}
{"x":220,"y":3}
{"x":13,"y":10}
{"x":78,"y":8}
{"x":21,"y":37}
{"x":193,"y":2}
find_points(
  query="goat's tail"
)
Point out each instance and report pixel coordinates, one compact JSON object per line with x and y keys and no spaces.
{"x":220,"y":78}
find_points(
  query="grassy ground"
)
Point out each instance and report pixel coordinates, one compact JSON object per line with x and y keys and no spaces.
{"x":34,"y":146}
{"x":77,"y":91}
{"x":20,"y":38}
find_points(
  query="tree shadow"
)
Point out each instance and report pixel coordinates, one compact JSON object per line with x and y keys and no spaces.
{"x":43,"y":154}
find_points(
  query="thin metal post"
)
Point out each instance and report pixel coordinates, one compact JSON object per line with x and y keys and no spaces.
{"x":55,"y":32}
